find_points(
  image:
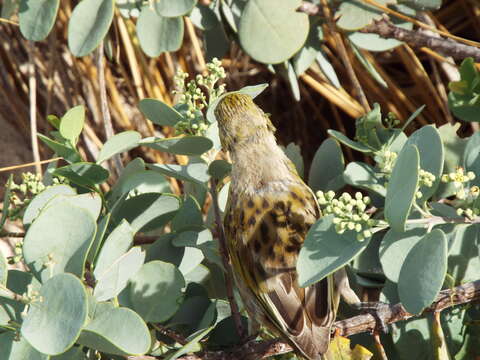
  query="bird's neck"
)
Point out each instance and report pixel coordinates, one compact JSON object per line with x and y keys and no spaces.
{"x":259,"y":164}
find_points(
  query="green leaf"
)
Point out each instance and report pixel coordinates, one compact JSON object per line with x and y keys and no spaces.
{"x":471,"y":157}
{"x":88,"y":25}
{"x":252,"y":91}
{"x":53,"y":325}
{"x":424,"y":4}
{"x":327,"y":69}
{"x":430,"y":148}
{"x":355,"y":14}
{"x":328,"y":156}
{"x":402,"y":188}
{"x":114,"y":278}
{"x":196,"y":172}
{"x":368,"y":65}
{"x":463,"y":259}
{"x":203,"y":17}
{"x":121,"y":142}
{"x":118,"y":331}
{"x":75,"y":353}
{"x":294,"y":153}
{"x":157,"y":282}
{"x":394,"y":249}
{"x":36,"y":18}
{"x":58,"y":241}
{"x":188,"y":216}
{"x":6,"y":201}
{"x":147,"y":212}
{"x":71,"y":124}
{"x":216,"y":42}
{"x":219,"y":169}
{"x":115,"y":246}
{"x":272,"y":33}
{"x":18,"y":349}
{"x":40,"y":200}
{"x":159,"y":113}
{"x":225,"y":333}
{"x":174,"y":8}
{"x":182,"y":145}
{"x":158,"y":34}
{"x":196,"y":312}
{"x":423,"y":272}
{"x":84,"y":174}
{"x":350,"y":143}
{"x":9,"y":8}
{"x":68,"y":153}
{"x":325,"y":251}
{"x":362,"y":175}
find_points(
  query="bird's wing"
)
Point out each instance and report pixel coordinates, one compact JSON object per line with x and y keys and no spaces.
{"x":271,"y":230}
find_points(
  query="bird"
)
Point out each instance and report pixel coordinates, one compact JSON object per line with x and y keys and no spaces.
{"x":269,"y":212}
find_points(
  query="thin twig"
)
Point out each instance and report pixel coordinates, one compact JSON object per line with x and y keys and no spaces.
{"x":448,"y":47}
{"x":107,"y":119}
{"x":14,"y":167}
{"x":170,"y":333}
{"x":225,"y":260}
{"x":459,"y":295}
{"x":6,"y":234}
{"x":342,"y":50}
{"x":32,"y":89}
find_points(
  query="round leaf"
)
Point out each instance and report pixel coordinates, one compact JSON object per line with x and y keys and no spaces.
{"x":362,"y":175}
{"x":173,"y":8}
{"x":158,"y":34}
{"x":88,"y":25}
{"x":121,"y":142}
{"x":118,"y":331}
{"x":203,"y":17}
{"x":53,"y":323}
{"x":156,"y":289}
{"x":60,"y":238}
{"x":218,"y":169}
{"x":325,"y":251}
{"x":402,"y":188}
{"x":272,"y":31}
{"x":350,"y":143}
{"x":184,"y":145}
{"x":423,"y":272}
{"x":355,"y":14}
{"x":92,"y":202}
{"x":471,"y":157}
{"x":37,"y":17}
{"x":71,"y":124}
{"x":159,"y":113}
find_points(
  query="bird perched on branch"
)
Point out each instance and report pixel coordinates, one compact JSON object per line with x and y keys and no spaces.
{"x":269,"y":214}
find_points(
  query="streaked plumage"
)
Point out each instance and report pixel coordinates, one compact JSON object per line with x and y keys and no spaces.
{"x":270,"y":211}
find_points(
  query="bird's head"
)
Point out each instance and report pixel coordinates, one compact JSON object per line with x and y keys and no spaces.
{"x":240,"y":120}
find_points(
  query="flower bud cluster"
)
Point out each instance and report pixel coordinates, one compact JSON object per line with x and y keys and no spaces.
{"x":459,"y":178}
{"x":191,"y":94}
{"x":349,"y":212}
{"x":18,"y":251}
{"x":386,"y":160}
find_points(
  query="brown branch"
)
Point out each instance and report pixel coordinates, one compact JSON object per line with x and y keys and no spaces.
{"x":225,"y":259}
{"x":447,"y":47}
{"x":462,"y":294}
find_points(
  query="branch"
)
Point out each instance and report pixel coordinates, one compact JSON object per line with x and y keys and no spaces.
{"x":384,"y":28}
{"x":447,"y":47}
{"x":462,"y":294}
